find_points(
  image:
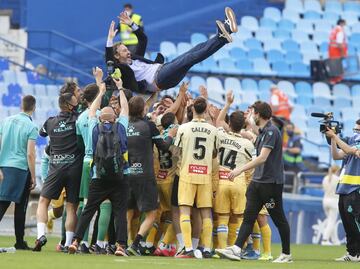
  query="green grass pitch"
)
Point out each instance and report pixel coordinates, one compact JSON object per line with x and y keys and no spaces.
{"x":305,"y":257}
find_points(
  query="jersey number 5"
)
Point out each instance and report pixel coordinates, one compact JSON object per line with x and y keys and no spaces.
{"x":229,"y":160}
{"x":200,"y":155}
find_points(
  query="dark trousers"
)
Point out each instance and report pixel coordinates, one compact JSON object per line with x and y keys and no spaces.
{"x":170,"y":74}
{"x":99,"y":190}
{"x":349,"y":208}
{"x":270,"y":195}
{"x":20,"y":212}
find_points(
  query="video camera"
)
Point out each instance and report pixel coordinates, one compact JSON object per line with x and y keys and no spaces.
{"x":328,"y":122}
{"x":112,"y":73}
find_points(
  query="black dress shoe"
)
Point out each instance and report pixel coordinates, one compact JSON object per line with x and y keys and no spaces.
{"x":22,"y":246}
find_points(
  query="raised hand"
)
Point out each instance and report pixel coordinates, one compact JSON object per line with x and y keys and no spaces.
{"x":118,"y":82}
{"x":203,"y":91}
{"x":125,"y":19}
{"x":98,"y":74}
{"x":229,"y":97}
{"x":184,"y":87}
{"x":112,"y":31}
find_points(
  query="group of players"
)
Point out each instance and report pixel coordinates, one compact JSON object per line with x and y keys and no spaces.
{"x":183,"y":192}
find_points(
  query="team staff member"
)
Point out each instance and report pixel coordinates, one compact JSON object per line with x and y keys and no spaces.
{"x":266,"y":186}
{"x":66,"y":158}
{"x":349,"y":190}
{"x":128,"y":38}
{"x":197,"y":141}
{"x":18,"y":136}
{"x":142,"y":135}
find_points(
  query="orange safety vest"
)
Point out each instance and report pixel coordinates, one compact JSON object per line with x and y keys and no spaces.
{"x":334,"y":50}
{"x":284,"y":107}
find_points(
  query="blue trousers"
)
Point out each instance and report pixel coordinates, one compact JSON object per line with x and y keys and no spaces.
{"x":170,"y":74}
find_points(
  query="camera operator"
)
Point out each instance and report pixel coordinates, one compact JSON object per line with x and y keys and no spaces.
{"x":349,"y":189}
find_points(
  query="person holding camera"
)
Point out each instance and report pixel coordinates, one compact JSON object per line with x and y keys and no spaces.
{"x":349,"y":189}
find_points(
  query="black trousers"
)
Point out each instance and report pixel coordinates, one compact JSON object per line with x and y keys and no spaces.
{"x":117,"y":192}
{"x":270,"y":195}
{"x":349,"y":208}
{"x":20,"y":211}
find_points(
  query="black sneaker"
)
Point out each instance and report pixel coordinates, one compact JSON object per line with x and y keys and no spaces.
{"x":66,"y":250}
{"x":110,"y":249}
{"x":222,"y":32}
{"x":230,"y":21}
{"x":207,"y":254}
{"x":39,"y":243}
{"x":133,"y":250}
{"x":84,"y":249}
{"x":22,"y":246}
{"x":186,"y":255}
{"x":92,"y":248}
{"x":99,"y":250}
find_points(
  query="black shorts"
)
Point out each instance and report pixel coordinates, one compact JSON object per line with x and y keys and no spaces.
{"x":143,"y":195}
{"x":63,"y":176}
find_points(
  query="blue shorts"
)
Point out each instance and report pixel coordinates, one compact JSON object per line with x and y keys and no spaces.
{"x":13,"y":184}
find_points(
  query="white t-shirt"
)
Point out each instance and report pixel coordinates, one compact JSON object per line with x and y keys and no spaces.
{"x":144,"y":71}
{"x":329,"y":186}
{"x":340,"y":37}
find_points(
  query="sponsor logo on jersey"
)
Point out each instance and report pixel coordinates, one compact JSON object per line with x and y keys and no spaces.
{"x":162,"y":174}
{"x":63,"y":127}
{"x":224,"y":174}
{"x":62,"y":158}
{"x":136,"y":168}
{"x":198,"y":169}
{"x":132,"y":132}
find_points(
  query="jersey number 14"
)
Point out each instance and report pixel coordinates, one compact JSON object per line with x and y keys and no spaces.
{"x":228,"y":159}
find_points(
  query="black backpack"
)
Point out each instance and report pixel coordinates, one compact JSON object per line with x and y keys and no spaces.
{"x":108,"y":157}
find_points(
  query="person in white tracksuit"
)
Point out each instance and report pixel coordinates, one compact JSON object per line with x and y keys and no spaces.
{"x":330,"y":205}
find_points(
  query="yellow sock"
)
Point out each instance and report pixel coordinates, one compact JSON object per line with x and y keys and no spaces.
{"x":222,"y":231}
{"x":256,"y":237}
{"x":233,"y":231}
{"x":266,"y":237}
{"x":207,"y":227}
{"x":169,"y":237}
{"x":51,"y":215}
{"x":152,"y":234}
{"x":185,"y":226}
{"x":215,"y":238}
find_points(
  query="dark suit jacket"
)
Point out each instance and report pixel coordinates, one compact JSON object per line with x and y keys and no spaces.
{"x":128,"y":76}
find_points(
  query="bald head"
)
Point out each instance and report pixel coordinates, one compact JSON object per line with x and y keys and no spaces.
{"x":107,"y":114}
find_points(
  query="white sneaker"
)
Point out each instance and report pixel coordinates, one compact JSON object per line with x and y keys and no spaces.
{"x":283,"y":258}
{"x":198,"y":254}
{"x":348,"y":258}
{"x":231,"y":253}
{"x":326,"y":243}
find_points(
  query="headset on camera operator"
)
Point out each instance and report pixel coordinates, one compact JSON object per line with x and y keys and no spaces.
{"x":348,"y":187}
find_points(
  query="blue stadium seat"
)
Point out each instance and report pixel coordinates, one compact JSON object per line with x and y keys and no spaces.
{"x":227,"y":66}
{"x":255,"y":54}
{"x":197,"y":38}
{"x":268,"y":23}
{"x":291,"y":15}
{"x":183,"y":47}
{"x":238,"y":53}
{"x":293,"y":57}
{"x":274,"y":44}
{"x":305,"y":26}
{"x":274,"y":56}
{"x":314,"y":135}
{"x":264,"y":96}
{"x":168,"y":48}
{"x":296,"y":5}
{"x":320,"y":37}
{"x":262,"y":67}
{"x":272,"y":13}
{"x":232,"y":84}
{"x":205,"y":66}
{"x":308,"y":47}
{"x":300,"y":36}
{"x":333,"y":6}
{"x":312,"y":5}
{"x":303,"y":88}
{"x":281,"y":68}
{"x":323,"y":26}
{"x":355,"y":28}
{"x":322,"y":101}
{"x":249,"y":97}
{"x":264,"y":85}
{"x":245,"y":66}
{"x":4,"y":64}
{"x":40,"y":90}
{"x":348,"y":113}
{"x":352,"y":6}
{"x":286,"y":25}
{"x":250,"y":22}
{"x":309,"y":56}
{"x":243,"y":33}
{"x":342,"y":102}
{"x":53,"y":89}
{"x":9,"y":76}
{"x":290,"y":45}
{"x":351,"y":17}
{"x":300,"y":69}
{"x":28,"y":89}
{"x":221,"y":54}
{"x":282,"y":34}
{"x":330,"y":17}
{"x":253,"y":43}
{"x":309,"y":149}
{"x":264,"y":34}
{"x":356,"y":103}
{"x":341,"y":90}
{"x":287,"y":87}
{"x":355,"y":90}
{"x":14,"y":89}
{"x":214,"y":85}
{"x":196,"y":81}
{"x":311,"y":191}
{"x":299,"y":112}
{"x":249,"y":84}
{"x":304,"y":100}
{"x":312,"y":16}
{"x":321,"y":89}
{"x":299,"y":123}
{"x":312,"y":108}
{"x":324,"y":47}
{"x":355,"y":39}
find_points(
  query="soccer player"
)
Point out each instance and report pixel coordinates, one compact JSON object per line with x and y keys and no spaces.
{"x":198,"y":144}
{"x":66,"y":158}
{"x":266,"y":186}
{"x":142,"y":135}
{"x":234,"y":152}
